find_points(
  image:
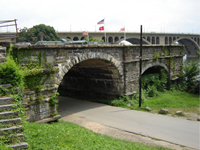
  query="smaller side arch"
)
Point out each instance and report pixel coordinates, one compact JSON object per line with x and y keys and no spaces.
{"x":154,"y":64}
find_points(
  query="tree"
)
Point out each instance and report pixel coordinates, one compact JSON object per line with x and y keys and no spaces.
{"x":33,"y":34}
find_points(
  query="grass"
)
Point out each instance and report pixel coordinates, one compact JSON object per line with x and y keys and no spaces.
{"x":171,"y":100}
{"x":68,"y":136}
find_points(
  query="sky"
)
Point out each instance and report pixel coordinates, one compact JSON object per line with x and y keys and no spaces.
{"x":165,"y":16}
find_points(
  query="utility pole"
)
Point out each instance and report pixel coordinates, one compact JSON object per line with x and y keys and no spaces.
{"x":140,"y":77}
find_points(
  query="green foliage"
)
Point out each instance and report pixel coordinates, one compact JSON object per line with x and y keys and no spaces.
{"x":65,"y":135}
{"x":154,"y":82}
{"x":198,"y":52}
{"x":93,"y":39}
{"x":3,"y":90}
{"x":156,"y":55}
{"x":151,"y":85}
{"x":174,"y":101}
{"x":187,"y":77}
{"x":32,"y":34}
{"x":11,"y":73}
{"x":53,"y":99}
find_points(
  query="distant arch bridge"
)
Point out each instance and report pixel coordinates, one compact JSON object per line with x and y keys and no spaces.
{"x":190,"y":41}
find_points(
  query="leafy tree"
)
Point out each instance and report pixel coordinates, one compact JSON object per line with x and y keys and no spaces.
{"x":33,"y":34}
{"x":26,"y":35}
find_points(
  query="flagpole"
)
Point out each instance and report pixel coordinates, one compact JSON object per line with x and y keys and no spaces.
{"x":124,"y":34}
{"x":105,"y":29}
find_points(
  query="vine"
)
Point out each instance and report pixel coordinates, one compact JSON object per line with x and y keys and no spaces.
{"x":156,"y":55}
{"x":28,"y":68}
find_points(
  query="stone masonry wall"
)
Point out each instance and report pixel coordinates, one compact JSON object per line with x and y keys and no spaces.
{"x":124,"y":61}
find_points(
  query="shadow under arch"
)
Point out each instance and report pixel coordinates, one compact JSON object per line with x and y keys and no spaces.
{"x":191,"y":47}
{"x":92,"y":74}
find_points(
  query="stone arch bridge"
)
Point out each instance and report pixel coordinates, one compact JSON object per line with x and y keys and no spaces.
{"x":101,"y":71}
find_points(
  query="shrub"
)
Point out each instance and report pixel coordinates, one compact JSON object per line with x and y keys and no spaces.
{"x":188,"y":76}
{"x":10,"y":73}
{"x":153,"y":83}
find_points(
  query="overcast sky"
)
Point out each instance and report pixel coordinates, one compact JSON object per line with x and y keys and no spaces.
{"x":174,"y":16}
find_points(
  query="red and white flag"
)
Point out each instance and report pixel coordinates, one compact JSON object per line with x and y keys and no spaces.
{"x":85,"y":33}
{"x":101,"y":28}
{"x":122,"y":29}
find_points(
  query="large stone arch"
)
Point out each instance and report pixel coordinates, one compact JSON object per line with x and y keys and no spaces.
{"x":191,"y":46}
{"x":154,"y":64}
{"x":63,"y":68}
{"x":109,"y":87}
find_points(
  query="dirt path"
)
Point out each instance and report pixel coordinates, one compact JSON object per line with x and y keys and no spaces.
{"x":101,"y":129}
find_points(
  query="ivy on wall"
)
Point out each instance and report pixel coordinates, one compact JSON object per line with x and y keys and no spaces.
{"x":26,"y":69}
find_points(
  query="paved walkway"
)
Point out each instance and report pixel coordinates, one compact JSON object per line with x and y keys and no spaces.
{"x":174,"y":130}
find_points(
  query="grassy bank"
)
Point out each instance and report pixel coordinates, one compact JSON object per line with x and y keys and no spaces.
{"x":68,"y":136}
{"x":171,"y":100}
{"x":174,"y":101}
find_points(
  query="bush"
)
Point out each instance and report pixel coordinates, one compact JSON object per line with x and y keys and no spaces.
{"x":10,"y":73}
{"x":188,"y":76}
{"x":153,"y":83}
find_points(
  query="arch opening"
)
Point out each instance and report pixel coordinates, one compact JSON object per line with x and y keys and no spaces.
{"x":154,"y":79}
{"x":137,"y":41}
{"x":157,"y":40}
{"x":82,"y":38}
{"x":153,"y":70}
{"x":93,"y":78}
{"x":110,"y":40}
{"x":191,"y":47}
{"x":153,"y":40}
{"x":116,"y":39}
{"x":75,"y":39}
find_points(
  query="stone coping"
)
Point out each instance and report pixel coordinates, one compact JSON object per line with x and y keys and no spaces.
{"x":86,"y":46}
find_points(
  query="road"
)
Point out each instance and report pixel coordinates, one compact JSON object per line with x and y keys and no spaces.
{"x":170,"y":129}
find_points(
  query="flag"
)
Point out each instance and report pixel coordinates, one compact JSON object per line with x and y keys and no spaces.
{"x":101,"y":28}
{"x":85,"y":33}
{"x":122,"y":29}
{"x":101,"y":22}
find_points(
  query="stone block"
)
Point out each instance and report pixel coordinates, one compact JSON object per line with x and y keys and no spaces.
{"x":147,"y":108}
{"x":128,"y":105}
{"x":49,"y":59}
{"x":163,"y":111}
{"x":179,"y":113}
